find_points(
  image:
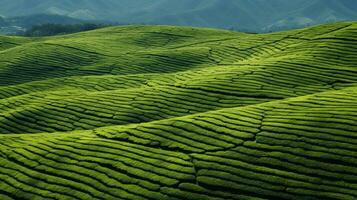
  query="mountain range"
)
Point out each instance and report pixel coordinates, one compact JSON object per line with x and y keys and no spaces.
{"x":243,"y":15}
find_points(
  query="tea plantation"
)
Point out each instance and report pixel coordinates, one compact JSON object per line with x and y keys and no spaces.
{"x":162,"y":112}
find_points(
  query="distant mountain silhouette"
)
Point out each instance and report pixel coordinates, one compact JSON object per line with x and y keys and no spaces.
{"x":250,"y":15}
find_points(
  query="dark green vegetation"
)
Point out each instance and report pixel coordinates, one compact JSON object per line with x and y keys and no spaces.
{"x":242,"y":15}
{"x":159,"y":112}
{"x":59,"y":29}
{"x":38,"y":19}
{"x":18,"y":25}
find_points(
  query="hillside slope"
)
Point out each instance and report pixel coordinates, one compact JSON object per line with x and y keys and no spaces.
{"x":162,"y":112}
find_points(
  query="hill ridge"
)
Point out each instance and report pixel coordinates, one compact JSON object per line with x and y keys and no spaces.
{"x":184,"y":113}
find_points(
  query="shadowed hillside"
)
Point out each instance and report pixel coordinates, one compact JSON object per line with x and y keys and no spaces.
{"x":164,"y":112}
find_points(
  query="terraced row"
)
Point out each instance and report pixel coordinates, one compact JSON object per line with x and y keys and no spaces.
{"x":279,"y":150}
{"x":84,"y":166}
{"x":75,"y":56}
{"x":82,"y":111}
{"x":290,"y":149}
{"x":151,"y":97}
{"x":158,"y":112}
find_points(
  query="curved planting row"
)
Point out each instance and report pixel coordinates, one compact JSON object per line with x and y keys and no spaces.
{"x":158,"y":112}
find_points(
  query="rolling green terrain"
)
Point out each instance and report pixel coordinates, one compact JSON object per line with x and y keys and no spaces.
{"x":161,"y":112}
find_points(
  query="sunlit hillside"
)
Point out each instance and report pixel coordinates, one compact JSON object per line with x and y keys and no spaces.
{"x":164,"y":112}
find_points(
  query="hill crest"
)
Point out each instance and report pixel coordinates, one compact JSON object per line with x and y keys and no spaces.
{"x":163,"y":112}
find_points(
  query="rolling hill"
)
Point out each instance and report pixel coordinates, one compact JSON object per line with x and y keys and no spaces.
{"x":165,"y":112}
{"x":244,"y":15}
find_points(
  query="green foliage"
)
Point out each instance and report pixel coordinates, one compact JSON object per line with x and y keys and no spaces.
{"x":162,"y":112}
{"x":59,"y":29}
